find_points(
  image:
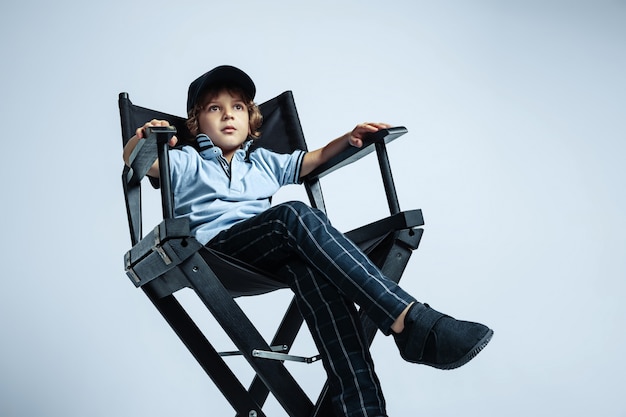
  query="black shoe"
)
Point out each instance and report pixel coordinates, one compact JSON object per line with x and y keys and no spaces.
{"x":435,"y":339}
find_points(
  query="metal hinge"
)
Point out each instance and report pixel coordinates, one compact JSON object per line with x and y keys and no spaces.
{"x":277,"y":353}
{"x":284,"y":356}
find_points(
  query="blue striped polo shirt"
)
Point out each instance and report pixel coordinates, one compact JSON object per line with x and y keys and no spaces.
{"x":215,"y":195}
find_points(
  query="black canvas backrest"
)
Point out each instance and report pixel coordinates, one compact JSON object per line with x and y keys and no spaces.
{"x":133,"y":116}
{"x":281,"y":130}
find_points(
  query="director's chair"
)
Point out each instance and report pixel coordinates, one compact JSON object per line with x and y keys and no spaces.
{"x":168,"y":259}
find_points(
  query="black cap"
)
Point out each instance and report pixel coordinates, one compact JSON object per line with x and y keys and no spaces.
{"x":226,"y":75}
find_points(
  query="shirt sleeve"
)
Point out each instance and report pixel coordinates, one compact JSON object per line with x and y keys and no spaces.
{"x":285,"y":168}
{"x":181,"y":163}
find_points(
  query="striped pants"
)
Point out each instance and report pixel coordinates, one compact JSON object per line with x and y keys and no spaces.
{"x":329,"y":275}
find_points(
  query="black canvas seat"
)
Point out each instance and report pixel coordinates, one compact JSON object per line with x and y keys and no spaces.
{"x":168,"y":258}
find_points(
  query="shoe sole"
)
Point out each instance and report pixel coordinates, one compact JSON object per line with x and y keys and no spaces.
{"x":469,"y":355}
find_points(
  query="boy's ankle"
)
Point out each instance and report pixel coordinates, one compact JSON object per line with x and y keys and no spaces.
{"x":398,"y":326}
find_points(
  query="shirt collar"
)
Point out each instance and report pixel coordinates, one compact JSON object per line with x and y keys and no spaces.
{"x":208,"y":150}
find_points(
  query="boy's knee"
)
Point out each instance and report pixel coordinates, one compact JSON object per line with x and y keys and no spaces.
{"x":297,"y":206}
{"x":299,"y":210}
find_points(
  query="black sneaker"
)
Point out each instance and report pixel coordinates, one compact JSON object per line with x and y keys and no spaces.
{"x":435,"y":339}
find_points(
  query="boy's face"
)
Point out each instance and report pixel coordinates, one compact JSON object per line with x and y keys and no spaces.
{"x":225,"y":120}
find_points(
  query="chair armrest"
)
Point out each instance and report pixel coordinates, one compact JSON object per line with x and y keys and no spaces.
{"x":141,"y":159}
{"x":352,"y":154}
{"x":146,"y":152}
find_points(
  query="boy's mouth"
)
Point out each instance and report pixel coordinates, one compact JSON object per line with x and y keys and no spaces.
{"x":229,"y":129}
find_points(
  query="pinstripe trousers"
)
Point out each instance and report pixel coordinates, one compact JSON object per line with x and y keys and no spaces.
{"x":328,"y":275}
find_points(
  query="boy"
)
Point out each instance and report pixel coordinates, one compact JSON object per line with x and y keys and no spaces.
{"x":225,"y":191}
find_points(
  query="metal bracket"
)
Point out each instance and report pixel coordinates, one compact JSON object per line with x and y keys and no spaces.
{"x":131,"y":273}
{"x":129,"y":269}
{"x":158,"y":248}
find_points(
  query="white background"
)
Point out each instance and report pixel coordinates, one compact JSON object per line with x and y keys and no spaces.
{"x":515,"y":153}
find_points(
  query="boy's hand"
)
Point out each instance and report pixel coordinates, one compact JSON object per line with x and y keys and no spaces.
{"x":356,"y":136}
{"x":141,"y":132}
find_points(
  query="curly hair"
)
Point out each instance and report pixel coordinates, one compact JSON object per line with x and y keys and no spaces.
{"x":254,"y":114}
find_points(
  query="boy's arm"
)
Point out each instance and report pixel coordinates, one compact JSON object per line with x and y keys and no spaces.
{"x":139,"y":135}
{"x":317,"y":157}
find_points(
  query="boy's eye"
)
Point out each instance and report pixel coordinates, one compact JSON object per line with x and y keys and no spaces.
{"x":239,"y":106}
{"x":213,"y":107}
